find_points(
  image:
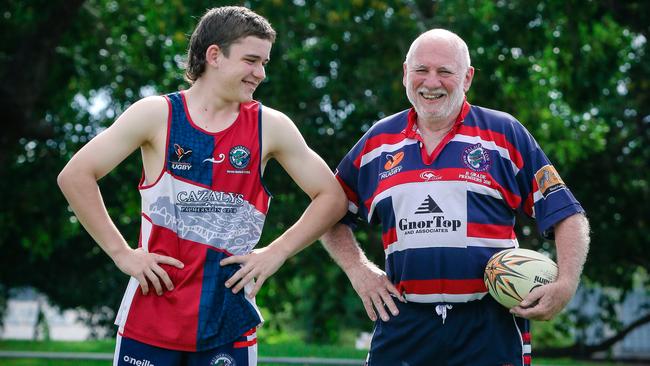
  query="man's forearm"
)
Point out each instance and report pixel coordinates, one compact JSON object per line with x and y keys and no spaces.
{"x":572,"y":243}
{"x":341,"y":245}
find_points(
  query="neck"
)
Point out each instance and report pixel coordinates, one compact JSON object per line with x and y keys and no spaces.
{"x":431,"y":127}
{"x":205,"y":96}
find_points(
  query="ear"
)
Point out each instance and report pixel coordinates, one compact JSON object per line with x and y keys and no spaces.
{"x":404,"y":76}
{"x":213,"y":55}
{"x":469,"y":76}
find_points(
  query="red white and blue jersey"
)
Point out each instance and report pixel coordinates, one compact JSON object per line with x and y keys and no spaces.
{"x":445,"y":214}
{"x":208,"y":203}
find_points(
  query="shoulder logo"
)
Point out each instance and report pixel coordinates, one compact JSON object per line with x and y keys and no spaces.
{"x":428,"y":206}
{"x":182,"y":154}
{"x":393,"y":160}
{"x":548,"y":180}
{"x":476,"y":158}
{"x":240,"y":157}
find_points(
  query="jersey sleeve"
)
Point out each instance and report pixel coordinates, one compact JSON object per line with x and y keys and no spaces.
{"x":347,"y":175}
{"x":546,"y":198}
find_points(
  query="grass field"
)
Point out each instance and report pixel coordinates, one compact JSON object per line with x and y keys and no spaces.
{"x":274,"y":349}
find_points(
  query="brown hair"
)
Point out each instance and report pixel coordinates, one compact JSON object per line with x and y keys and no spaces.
{"x":223,"y":26}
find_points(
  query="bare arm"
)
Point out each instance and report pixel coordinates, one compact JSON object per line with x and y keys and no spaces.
{"x":282,"y":141}
{"x":136,"y":127}
{"x":572,"y":243}
{"x":371,"y":283}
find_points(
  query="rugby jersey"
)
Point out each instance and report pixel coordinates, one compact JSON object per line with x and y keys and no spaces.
{"x":445,"y":214}
{"x":208,"y":203}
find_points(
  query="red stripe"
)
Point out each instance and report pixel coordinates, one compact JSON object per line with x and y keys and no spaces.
{"x":498,"y":138}
{"x":389,"y":237}
{"x":529,"y":203}
{"x":375,"y":142}
{"x":244,"y":344}
{"x":349,"y":193}
{"x":449,"y":174}
{"x":490,"y":231}
{"x":527,"y":360}
{"x":442,"y":286}
{"x":250,"y":332}
{"x":525,"y":337}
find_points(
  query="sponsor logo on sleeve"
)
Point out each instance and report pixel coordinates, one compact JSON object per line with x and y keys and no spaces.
{"x":548,"y":180}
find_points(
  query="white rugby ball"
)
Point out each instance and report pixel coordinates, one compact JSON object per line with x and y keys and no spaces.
{"x":512,"y":274}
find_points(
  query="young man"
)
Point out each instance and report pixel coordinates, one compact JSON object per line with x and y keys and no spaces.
{"x":203,"y":201}
{"x":445,"y":179}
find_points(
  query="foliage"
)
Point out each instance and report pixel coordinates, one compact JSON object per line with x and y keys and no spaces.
{"x":576,"y":79}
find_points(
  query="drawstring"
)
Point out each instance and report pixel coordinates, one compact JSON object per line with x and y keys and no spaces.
{"x":442,"y":311}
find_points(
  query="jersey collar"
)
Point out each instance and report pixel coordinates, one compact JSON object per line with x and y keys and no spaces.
{"x":411,"y":130}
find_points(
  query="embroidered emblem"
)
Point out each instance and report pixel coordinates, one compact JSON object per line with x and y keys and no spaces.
{"x":476,"y":158}
{"x":240,"y":157}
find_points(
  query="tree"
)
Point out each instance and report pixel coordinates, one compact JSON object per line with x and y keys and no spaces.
{"x":577,"y":80}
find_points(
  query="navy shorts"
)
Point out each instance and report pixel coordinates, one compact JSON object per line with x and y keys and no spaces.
{"x":243,"y":352}
{"x":477,"y":333}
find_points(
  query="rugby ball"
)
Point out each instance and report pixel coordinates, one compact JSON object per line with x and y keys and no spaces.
{"x":512,"y":274}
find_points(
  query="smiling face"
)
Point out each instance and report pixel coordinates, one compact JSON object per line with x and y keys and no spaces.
{"x":436,"y":76}
{"x":240,"y":72}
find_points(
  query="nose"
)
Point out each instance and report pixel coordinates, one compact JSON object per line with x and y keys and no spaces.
{"x":432,"y":81}
{"x":259,"y":72}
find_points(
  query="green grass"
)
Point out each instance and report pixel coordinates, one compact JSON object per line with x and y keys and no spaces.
{"x":273,"y":347}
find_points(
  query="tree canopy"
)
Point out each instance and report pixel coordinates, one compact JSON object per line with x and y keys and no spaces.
{"x":573,"y":72}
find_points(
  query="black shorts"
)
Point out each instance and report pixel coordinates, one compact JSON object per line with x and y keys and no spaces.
{"x":477,"y":333}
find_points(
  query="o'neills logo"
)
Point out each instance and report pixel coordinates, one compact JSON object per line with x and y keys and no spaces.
{"x":435,"y":224}
{"x":134,"y":361}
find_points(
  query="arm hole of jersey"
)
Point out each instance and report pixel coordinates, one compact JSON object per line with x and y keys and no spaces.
{"x":165,"y":155}
{"x":259,"y":136}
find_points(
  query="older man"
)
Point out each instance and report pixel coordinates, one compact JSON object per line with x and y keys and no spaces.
{"x":445,"y":179}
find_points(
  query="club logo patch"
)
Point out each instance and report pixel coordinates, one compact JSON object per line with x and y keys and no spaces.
{"x":182,"y":155}
{"x":222,"y":359}
{"x":548,"y":180}
{"x":240,"y":157}
{"x":476,"y":158}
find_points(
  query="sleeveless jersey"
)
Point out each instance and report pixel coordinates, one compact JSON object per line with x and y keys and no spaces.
{"x":208,"y":203}
{"x":444,"y":215}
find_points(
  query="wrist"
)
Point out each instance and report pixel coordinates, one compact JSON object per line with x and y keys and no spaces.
{"x":119,"y":251}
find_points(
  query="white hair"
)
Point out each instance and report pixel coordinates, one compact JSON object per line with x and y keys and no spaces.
{"x":444,"y":34}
